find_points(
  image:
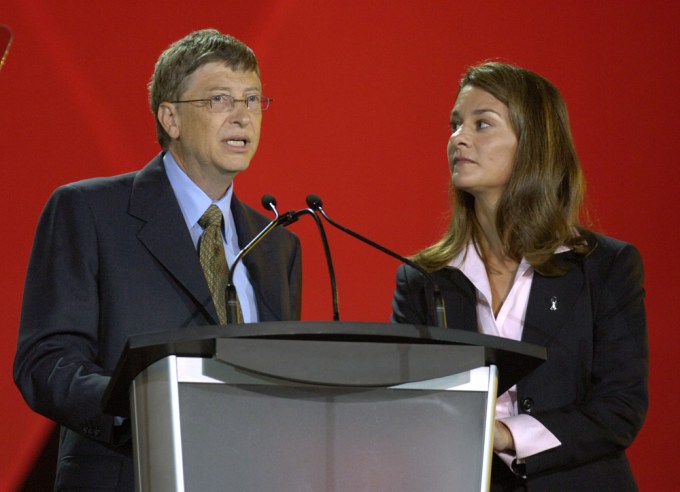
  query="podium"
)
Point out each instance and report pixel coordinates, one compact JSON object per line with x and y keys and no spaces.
{"x":314,"y":406}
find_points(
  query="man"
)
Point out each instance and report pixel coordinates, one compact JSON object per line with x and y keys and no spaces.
{"x":118,"y":256}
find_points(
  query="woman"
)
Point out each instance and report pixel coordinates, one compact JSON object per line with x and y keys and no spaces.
{"x":516,"y":263}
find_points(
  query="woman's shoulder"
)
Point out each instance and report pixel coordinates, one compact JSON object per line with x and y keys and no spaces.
{"x":606,"y":253}
{"x":601,"y":245}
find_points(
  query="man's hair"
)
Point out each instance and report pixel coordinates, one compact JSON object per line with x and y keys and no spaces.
{"x":539,"y":208}
{"x":184,"y":56}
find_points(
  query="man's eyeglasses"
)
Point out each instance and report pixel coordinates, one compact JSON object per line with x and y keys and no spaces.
{"x":222,"y":103}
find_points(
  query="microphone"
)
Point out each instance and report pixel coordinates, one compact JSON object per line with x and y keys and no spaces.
{"x":315,"y":203}
{"x":269,"y":202}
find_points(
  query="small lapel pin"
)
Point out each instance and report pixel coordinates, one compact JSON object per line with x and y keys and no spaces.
{"x":553,"y":303}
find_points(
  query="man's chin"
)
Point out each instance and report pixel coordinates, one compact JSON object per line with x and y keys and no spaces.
{"x":234,"y":167}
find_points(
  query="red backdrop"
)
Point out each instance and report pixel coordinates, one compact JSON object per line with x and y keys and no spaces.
{"x":363,"y":93}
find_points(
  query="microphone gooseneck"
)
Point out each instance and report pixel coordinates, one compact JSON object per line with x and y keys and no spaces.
{"x":327,"y":252}
{"x":315,"y":203}
{"x":269,"y":203}
{"x":232,"y":302}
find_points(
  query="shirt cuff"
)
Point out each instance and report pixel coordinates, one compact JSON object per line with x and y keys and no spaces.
{"x":530,"y":436}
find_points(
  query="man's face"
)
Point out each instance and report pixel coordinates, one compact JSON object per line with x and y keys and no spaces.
{"x":212,"y":147}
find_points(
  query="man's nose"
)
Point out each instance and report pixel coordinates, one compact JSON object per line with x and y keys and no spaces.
{"x":240,"y":113}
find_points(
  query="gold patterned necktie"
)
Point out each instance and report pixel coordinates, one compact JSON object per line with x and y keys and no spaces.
{"x":213,"y":260}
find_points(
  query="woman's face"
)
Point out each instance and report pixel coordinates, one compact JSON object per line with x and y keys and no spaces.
{"x":482,"y":145}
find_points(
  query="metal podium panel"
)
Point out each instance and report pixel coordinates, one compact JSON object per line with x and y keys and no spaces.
{"x":235,"y":430}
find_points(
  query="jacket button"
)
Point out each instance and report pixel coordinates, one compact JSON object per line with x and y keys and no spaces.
{"x":527,"y":405}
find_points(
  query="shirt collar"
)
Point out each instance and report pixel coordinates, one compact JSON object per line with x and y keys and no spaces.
{"x":471,"y":265}
{"x":192,"y":200}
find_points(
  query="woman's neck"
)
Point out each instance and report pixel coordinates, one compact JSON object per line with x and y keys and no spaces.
{"x":500,"y":269}
{"x":491,"y":243}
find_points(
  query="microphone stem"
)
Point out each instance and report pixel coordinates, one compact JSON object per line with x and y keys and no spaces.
{"x":440,"y":310}
{"x":329,"y":261}
{"x":232,"y":302}
{"x":359,"y":237}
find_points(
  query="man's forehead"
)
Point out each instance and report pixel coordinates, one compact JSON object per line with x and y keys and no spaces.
{"x":218,"y":74}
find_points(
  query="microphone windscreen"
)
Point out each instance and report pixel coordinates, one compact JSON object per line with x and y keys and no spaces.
{"x":314,"y":202}
{"x":268,"y":202}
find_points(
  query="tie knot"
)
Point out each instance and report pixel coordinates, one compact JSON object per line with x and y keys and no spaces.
{"x":211,"y":217}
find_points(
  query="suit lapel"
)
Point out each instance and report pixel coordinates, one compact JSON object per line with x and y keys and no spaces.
{"x":551,"y":303}
{"x":165,"y":234}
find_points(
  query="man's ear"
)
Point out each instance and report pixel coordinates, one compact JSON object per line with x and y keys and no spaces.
{"x":168,"y":119}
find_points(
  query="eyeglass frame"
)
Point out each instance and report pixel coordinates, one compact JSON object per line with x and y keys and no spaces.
{"x":265,"y":101}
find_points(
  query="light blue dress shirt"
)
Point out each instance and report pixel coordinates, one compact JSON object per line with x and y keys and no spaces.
{"x":194,"y":202}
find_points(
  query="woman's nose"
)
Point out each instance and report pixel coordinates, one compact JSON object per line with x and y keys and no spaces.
{"x":459,"y":137}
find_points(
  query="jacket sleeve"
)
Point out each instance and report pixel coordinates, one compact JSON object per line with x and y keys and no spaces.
{"x":55,"y":366}
{"x":611,"y":375}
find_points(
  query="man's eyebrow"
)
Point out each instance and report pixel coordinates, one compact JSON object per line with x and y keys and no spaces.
{"x":229,"y":89}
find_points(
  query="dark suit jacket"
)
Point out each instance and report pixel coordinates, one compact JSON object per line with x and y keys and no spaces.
{"x":592,"y":391}
{"x":113,"y":258}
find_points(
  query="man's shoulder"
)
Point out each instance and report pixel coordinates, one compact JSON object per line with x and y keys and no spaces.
{"x":101,"y":183}
{"x":108,"y":186}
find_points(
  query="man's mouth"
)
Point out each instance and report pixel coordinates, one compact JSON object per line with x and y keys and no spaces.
{"x":237,"y":142}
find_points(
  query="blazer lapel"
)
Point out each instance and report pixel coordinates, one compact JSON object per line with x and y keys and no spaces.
{"x":165,"y":234}
{"x":460,"y":297}
{"x":551,"y":303}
